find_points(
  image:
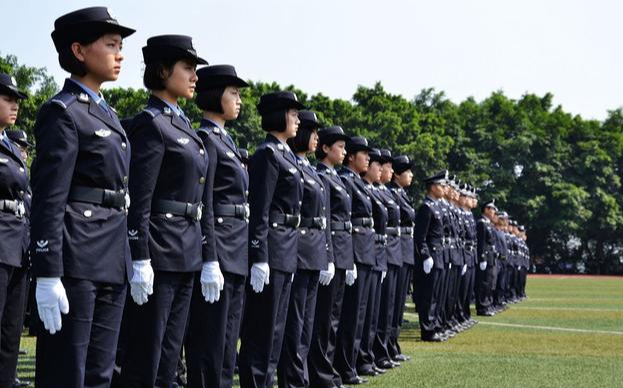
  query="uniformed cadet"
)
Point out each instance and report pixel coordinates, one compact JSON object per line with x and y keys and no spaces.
{"x":524,"y":263}
{"x":486,"y":254}
{"x":216,"y":307}
{"x":276,"y":191}
{"x":468,"y":201}
{"x":402,"y":178}
{"x":167,"y":180}
{"x":80,"y":252}
{"x":358,"y":280}
{"x":365,"y":354}
{"x":429,"y":265}
{"x":14,"y":261}
{"x":393,"y":252}
{"x":514,"y":264}
{"x":312,"y":258}
{"x":499,"y":302}
{"x":330,"y":152}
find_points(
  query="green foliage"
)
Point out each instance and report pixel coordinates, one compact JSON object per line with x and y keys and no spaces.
{"x":557,"y":173}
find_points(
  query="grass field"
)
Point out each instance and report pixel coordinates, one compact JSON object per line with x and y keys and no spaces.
{"x":569,"y":333}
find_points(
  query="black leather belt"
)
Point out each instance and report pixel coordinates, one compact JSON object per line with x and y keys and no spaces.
{"x":380,"y":238}
{"x":291,"y":220}
{"x":314,"y":223}
{"x":392,"y":231}
{"x":342,"y":226}
{"x":13,"y":207}
{"x":365,"y":222}
{"x":103,"y":197}
{"x":406,"y":230}
{"x":237,"y":211}
{"x":436,"y":241}
{"x":184,"y":209}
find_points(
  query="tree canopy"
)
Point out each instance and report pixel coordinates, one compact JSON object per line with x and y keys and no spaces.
{"x":557,"y":173}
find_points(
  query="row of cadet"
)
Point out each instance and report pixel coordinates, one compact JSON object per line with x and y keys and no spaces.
{"x":151,"y":239}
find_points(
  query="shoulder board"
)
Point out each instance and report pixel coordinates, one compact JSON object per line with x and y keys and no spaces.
{"x":64,"y":100}
{"x":153,"y":112}
{"x":270,"y":148}
{"x":205,"y":131}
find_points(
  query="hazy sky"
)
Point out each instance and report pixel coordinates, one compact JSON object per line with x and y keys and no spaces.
{"x":466,"y":48}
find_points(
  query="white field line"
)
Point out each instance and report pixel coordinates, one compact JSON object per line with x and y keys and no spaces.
{"x":565,"y":309}
{"x":552,"y":328}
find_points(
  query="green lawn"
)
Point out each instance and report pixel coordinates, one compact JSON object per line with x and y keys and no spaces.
{"x":569,"y":334}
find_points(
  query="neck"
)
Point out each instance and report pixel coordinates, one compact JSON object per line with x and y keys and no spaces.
{"x":397,"y":183}
{"x":301,"y":154}
{"x":279,"y":135}
{"x":89,"y":82}
{"x":432,"y":195}
{"x":367,"y":179}
{"x":216,"y":118}
{"x":326,"y":162}
{"x":165,"y":95}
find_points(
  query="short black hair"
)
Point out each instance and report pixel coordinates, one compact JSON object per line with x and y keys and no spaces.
{"x":320,"y":154}
{"x":348,"y":154}
{"x":153,"y":77}
{"x":210,"y":99}
{"x":300,"y":142}
{"x":69,"y":62}
{"x":274,"y":120}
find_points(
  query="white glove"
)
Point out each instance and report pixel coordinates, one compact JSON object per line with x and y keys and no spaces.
{"x":327,"y":276}
{"x":428,"y":265}
{"x":519,"y":268}
{"x":212,"y":281}
{"x":142,"y":282}
{"x":260,"y":274}
{"x":449,"y":265}
{"x":383,"y":274}
{"x":51,"y":302}
{"x":351,"y":275}
{"x":464,"y":269}
{"x":483,"y":265}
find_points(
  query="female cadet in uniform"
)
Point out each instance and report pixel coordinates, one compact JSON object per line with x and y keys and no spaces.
{"x":330,"y":152}
{"x":167,"y":179}
{"x":350,"y":328}
{"x":13,"y":231}
{"x":382,"y":356}
{"x":365,"y":356}
{"x":216,"y":307}
{"x":80,"y":253}
{"x":276,"y":192}
{"x":312,"y":258}
{"x":402,"y":178}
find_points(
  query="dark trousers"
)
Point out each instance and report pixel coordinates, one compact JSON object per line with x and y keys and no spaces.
{"x":500,"y":289}
{"x":82,"y":354}
{"x":442,"y":321}
{"x":156,"y":332}
{"x":324,"y":335}
{"x":429,"y":299}
{"x":484,"y":287}
{"x":213,"y":334}
{"x":466,"y":287}
{"x":263,"y":328}
{"x":365,"y":356}
{"x":292,"y":368}
{"x":402,"y":289}
{"x":523,"y":277}
{"x":350,"y":329}
{"x":13,"y":290}
{"x":386,"y":311}
{"x":453,"y":279}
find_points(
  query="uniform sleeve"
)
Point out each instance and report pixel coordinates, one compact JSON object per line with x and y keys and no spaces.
{"x":480,"y":247}
{"x":147,"y":154}
{"x":57,"y":151}
{"x":263,"y":175}
{"x":327,"y":215}
{"x":422,"y":223}
{"x":208,"y":245}
{"x":348,"y":183}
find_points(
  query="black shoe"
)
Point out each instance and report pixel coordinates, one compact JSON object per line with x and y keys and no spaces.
{"x":395,"y":364}
{"x":432,"y":338}
{"x":20,"y":384}
{"x":386,"y":364}
{"x":22,"y":352}
{"x":379,"y":370}
{"x":356,"y":380}
{"x":368,"y":372}
{"x":401,"y":358}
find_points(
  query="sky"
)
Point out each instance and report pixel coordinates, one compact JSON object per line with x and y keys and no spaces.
{"x":465,"y":48}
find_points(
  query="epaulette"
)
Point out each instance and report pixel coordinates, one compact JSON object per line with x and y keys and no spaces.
{"x":207,"y":131}
{"x":271,"y":148}
{"x":153,"y":112}
{"x":64,"y":100}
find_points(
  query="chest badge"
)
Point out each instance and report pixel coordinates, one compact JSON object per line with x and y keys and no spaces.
{"x":292,"y":170}
{"x":183,"y":140}
{"x":103,"y":132}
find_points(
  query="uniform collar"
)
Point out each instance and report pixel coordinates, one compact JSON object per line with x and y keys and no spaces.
{"x":96,"y":97}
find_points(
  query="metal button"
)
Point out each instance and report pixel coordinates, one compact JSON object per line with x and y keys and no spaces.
{"x":87,"y":213}
{"x":303,"y":231}
{"x":124,"y":145}
{"x":202,"y":180}
{"x":21,"y":193}
{"x":201,"y":151}
{"x":125,"y":179}
{"x":302,"y":180}
{"x":168,"y":215}
{"x":274,"y":224}
{"x":219,"y":220}
{"x":21,"y":169}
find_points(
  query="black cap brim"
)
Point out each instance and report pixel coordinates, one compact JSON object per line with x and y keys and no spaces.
{"x":12,"y":91}
{"x":156,"y":53}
